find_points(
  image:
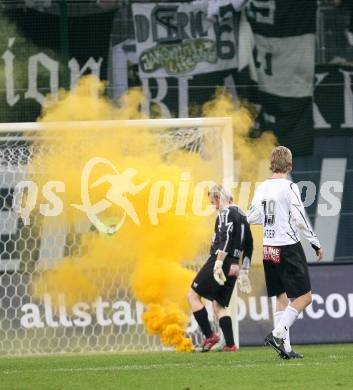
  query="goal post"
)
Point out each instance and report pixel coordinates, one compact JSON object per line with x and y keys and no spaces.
{"x":38,"y":245}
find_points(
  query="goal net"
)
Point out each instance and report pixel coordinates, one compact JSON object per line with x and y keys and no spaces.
{"x":31,"y":244}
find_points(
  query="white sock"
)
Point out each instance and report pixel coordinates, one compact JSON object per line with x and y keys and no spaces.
{"x":287,"y":320}
{"x":276,"y":319}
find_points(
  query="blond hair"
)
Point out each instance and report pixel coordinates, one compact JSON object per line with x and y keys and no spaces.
{"x":281,"y":160}
{"x":218,"y":192}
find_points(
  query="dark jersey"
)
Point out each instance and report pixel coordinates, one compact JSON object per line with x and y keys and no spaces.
{"x":247,"y":244}
{"x":228,"y":232}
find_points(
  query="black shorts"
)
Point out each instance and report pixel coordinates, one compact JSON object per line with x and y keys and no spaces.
{"x":206,"y":286}
{"x":286,"y":270}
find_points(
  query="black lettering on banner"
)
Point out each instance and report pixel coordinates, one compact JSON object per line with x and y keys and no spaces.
{"x":169,"y":25}
{"x":256,"y":57}
{"x":196,"y":26}
{"x":165,"y":18}
{"x":268,"y":67}
{"x":262,"y":11}
{"x":265,"y":63}
{"x":225,"y":48}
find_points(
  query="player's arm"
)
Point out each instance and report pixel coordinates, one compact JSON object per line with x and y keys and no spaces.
{"x":225,"y":229}
{"x":248,"y":246}
{"x":298,"y":215}
{"x":255,"y":214}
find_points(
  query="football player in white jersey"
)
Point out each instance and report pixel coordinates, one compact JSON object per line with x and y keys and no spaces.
{"x":278,"y":207}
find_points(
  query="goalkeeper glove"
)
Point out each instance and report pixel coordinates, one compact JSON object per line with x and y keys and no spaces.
{"x":218,"y":273}
{"x":244,"y":281}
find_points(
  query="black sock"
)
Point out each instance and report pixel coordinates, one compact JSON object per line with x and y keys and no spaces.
{"x":226,"y":325}
{"x":201,"y":318}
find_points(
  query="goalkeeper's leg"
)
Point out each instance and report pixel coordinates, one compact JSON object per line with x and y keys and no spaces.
{"x":201,"y":316}
{"x":204,"y":285}
{"x":200,"y":313}
{"x":225,"y":323}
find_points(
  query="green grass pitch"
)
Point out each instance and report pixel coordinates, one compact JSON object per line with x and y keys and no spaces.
{"x":324,"y":367}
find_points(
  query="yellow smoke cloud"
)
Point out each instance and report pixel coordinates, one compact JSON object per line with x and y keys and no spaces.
{"x":170,"y":323}
{"x":147,"y":258}
{"x":149,"y":255}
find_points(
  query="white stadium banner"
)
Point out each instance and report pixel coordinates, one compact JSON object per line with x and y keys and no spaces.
{"x":181,"y":39}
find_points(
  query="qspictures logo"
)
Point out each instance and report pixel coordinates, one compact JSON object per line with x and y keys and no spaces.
{"x":123,"y":186}
{"x":163,"y":195}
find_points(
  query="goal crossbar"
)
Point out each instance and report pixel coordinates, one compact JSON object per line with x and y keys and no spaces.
{"x":134,"y":123}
